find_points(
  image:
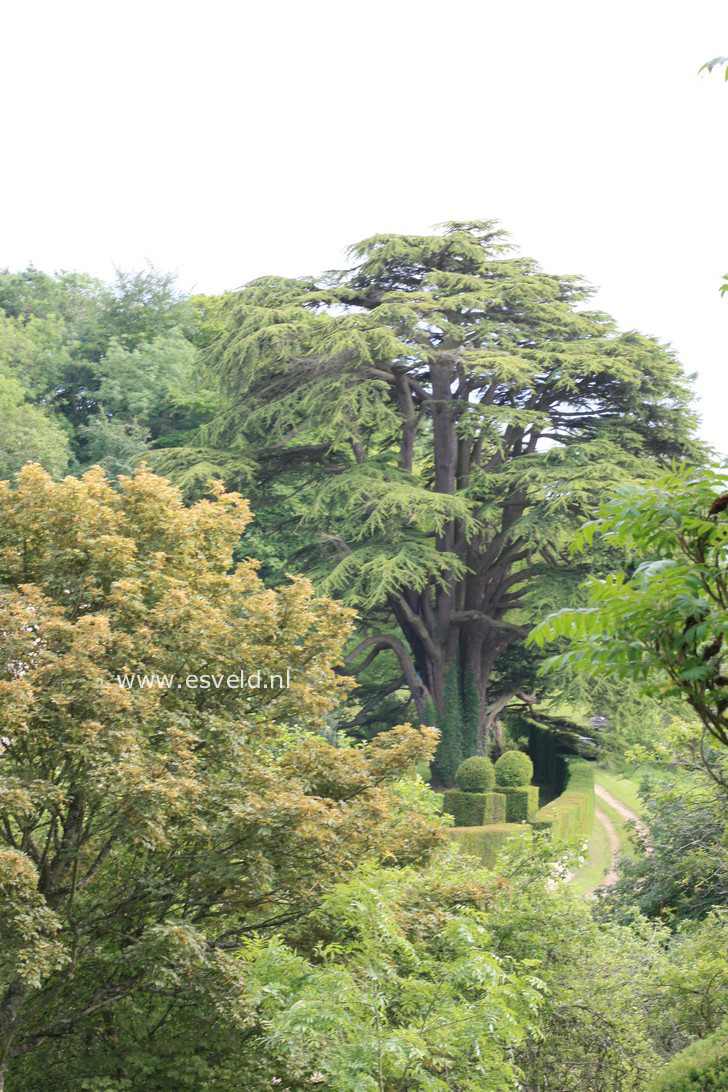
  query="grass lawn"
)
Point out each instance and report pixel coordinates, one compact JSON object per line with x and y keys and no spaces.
{"x":598,"y":860}
{"x":626,"y":848}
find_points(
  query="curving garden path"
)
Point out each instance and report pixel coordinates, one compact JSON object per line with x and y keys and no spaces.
{"x":626,"y":813}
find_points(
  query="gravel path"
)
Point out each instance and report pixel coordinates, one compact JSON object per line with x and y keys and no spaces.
{"x":626,"y":813}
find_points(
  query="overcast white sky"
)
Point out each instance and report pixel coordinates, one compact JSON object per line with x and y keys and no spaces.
{"x":229,"y":140}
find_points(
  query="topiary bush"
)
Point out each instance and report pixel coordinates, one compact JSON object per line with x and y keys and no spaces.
{"x":495,"y":807}
{"x":521,"y":802}
{"x":466,"y":808}
{"x":514,"y":768}
{"x":476,"y":774}
{"x":473,"y":809}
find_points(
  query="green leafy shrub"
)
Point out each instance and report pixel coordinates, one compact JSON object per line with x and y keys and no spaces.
{"x":472,"y":809}
{"x":521,"y":802}
{"x":701,"y":1067}
{"x":514,"y":768}
{"x":399,"y":1004}
{"x":476,"y":774}
{"x":687,"y":829}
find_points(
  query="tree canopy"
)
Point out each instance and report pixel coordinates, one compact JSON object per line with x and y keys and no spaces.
{"x":665,"y":618}
{"x":208,"y":883}
{"x":425,"y":425}
{"x":144,"y":832}
{"x":111,"y":368}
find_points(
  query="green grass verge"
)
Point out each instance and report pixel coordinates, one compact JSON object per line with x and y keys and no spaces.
{"x":598,"y":856}
{"x":621,"y":829}
{"x":598,"y":861}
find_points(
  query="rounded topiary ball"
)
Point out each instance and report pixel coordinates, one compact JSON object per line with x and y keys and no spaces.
{"x":475,"y":774}
{"x":514,"y":768}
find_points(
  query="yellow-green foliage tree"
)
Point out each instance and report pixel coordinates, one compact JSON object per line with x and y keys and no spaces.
{"x":144,"y":832}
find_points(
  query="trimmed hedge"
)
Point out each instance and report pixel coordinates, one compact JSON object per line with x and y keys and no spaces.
{"x":473,"y":809}
{"x":571,"y":815}
{"x":521,"y":802}
{"x":466,"y":808}
{"x":513,"y":768}
{"x":701,"y":1067}
{"x":495,"y":808}
{"x":476,"y":774}
{"x":549,"y":761}
{"x":485,"y":842}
